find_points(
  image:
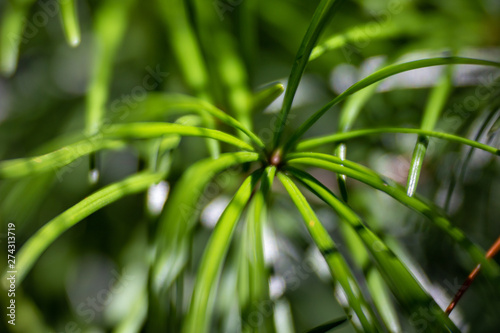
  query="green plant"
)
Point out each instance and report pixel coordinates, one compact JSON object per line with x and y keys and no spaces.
{"x":373,"y":282}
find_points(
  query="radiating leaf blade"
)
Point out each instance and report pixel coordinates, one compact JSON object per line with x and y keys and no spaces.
{"x":323,"y":13}
{"x":404,"y":286}
{"x":199,"y":313}
{"x":156,"y":106}
{"x":380,"y":75}
{"x":152,"y":130}
{"x":398,"y":192}
{"x":338,"y":137}
{"x":339,"y":269}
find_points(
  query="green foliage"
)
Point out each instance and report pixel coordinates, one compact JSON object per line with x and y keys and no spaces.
{"x":200,"y":133}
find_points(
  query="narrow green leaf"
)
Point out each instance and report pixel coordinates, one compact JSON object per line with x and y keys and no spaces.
{"x":339,"y":269}
{"x":266,"y":96}
{"x":315,"y":142}
{"x":189,"y":56}
{"x":256,"y":275}
{"x":348,"y":116}
{"x":52,"y":161}
{"x":185,"y":46}
{"x":199,"y":313}
{"x":221,"y":49}
{"x":69,"y":17}
{"x":385,"y":30}
{"x":462,"y":166}
{"x":398,"y":192}
{"x":417,"y":160}
{"x":432,"y":111}
{"x":23,"y":167}
{"x":22,"y":199}
{"x":325,"y":11}
{"x":12,"y":33}
{"x":353,"y":106}
{"x":380,"y":75}
{"x":152,"y":130}
{"x":180,"y":213}
{"x":402,"y":283}
{"x":38,"y":243}
{"x":109,"y":28}
{"x":158,"y":105}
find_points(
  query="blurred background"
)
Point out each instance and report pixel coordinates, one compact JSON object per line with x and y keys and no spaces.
{"x":89,"y":279}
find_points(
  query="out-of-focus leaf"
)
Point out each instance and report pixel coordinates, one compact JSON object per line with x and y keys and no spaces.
{"x":328,"y":326}
{"x":38,"y":243}
{"x":152,"y":130}
{"x":109,"y":28}
{"x":228,"y":69}
{"x":11,"y":33}
{"x":23,"y":167}
{"x":348,"y":115}
{"x":266,"y":96}
{"x":69,"y":17}
{"x":189,"y":57}
{"x":402,"y":283}
{"x":180,"y":213}
{"x":158,"y":105}
{"x":315,"y":142}
{"x":380,"y":75}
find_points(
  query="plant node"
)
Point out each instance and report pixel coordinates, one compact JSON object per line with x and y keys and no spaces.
{"x":275,"y":158}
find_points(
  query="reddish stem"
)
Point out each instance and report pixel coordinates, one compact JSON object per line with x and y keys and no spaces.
{"x":494,"y":249}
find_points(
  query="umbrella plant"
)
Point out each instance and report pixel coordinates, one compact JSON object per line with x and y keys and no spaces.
{"x":198,"y":279}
